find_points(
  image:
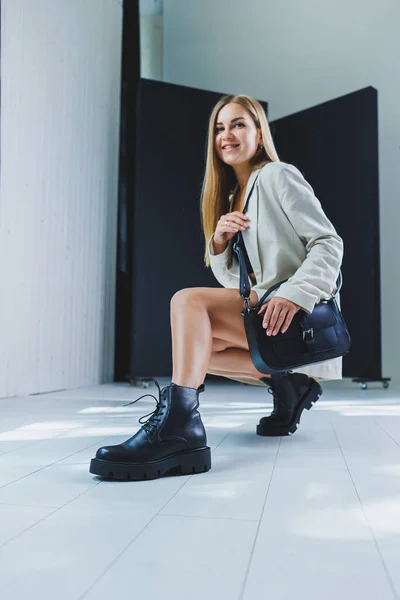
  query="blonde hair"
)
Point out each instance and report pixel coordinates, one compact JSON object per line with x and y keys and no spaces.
{"x":219,"y":178}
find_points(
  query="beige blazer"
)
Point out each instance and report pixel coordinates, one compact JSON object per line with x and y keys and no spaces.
{"x":289,"y":237}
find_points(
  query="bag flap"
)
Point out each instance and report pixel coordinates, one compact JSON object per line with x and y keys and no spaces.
{"x":322,"y":316}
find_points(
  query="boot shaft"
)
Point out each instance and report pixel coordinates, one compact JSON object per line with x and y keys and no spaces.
{"x":287,"y":389}
{"x":290,"y":385}
{"x":180,"y":416}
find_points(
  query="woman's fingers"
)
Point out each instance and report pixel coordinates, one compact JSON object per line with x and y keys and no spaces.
{"x":274,"y":329}
{"x":277,"y":318}
{"x":271,"y":315}
{"x":229,"y":224}
{"x":262,"y":309}
{"x":279,"y":314}
{"x":234,"y":222}
{"x":288,"y":320}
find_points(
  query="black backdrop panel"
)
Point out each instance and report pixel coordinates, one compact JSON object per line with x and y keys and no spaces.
{"x":335,"y":146}
{"x":168,"y":246}
{"x":130,"y":73}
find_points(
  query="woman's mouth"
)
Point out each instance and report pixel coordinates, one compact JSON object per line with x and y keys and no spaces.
{"x":230,"y":147}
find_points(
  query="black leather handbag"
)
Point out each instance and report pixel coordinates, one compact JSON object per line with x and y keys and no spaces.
{"x":310,"y":338}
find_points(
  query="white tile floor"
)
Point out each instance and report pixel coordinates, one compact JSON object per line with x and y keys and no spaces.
{"x":312,"y":516}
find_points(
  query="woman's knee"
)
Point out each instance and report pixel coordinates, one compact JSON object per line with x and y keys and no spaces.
{"x":186,"y":297}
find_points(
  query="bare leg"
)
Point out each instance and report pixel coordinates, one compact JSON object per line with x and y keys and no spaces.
{"x":197,"y":316}
{"x":233,"y":361}
{"x":191,"y":339}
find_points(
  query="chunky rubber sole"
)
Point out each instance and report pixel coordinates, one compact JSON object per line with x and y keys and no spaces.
{"x":276,"y":428}
{"x":185,"y":463}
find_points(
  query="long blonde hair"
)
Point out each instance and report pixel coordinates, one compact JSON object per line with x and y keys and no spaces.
{"x":219,"y":178}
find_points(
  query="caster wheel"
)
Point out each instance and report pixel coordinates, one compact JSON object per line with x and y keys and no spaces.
{"x":139,"y":383}
{"x":363,"y":386}
{"x":385,"y":385}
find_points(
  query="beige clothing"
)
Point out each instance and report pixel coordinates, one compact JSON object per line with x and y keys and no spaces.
{"x":289,"y":236}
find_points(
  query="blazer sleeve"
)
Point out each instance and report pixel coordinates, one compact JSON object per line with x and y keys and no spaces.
{"x":221,"y":266}
{"x":316,"y":277}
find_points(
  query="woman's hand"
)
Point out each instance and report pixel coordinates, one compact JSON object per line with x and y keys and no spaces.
{"x":229,"y":225}
{"x":279,"y":313}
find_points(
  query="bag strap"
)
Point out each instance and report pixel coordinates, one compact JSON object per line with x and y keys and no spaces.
{"x":245,"y":283}
{"x":238,"y":247}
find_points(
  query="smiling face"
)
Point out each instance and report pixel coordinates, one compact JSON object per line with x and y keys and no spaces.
{"x":236,"y":135}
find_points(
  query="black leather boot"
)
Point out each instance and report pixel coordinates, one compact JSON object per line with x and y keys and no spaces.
{"x":292,"y":392}
{"x":173,"y":437}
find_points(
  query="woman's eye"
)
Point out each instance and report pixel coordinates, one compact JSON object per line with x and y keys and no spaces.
{"x":219,"y":129}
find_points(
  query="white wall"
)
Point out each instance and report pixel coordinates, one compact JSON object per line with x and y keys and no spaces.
{"x":60,"y":94}
{"x":296,"y":55}
{"x":151,"y":39}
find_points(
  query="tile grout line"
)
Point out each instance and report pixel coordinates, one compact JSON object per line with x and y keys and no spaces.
{"x":56,"y":508}
{"x":53,"y":463}
{"x":387,"y":433}
{"x":212,"y":518}
{"x":391,"y":584}
{"x":131,"y":542}
{"x":243,"y":588}
{"x":218,"y":445}
{"x":47,"y":516}
{"x":23,"y":446}
{"x":29,"y":505}
{"x":143,"y":529}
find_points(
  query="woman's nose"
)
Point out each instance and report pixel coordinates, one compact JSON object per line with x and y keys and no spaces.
{"x":228,"y":135}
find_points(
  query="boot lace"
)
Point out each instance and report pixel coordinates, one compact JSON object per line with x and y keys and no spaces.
{"x":277,"y":400}
{"x":154,"y":417}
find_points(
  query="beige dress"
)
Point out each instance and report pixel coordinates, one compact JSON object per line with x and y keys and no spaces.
{"x":289,"y":237}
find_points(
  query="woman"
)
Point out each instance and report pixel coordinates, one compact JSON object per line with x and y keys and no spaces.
{"x":287,"y":236}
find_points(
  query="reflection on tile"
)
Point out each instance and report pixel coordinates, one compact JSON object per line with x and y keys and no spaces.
{"x":380,"y":497}
{"x":311,"y":447}
{"x":314,"y":529}
{"x":235,"y":487}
